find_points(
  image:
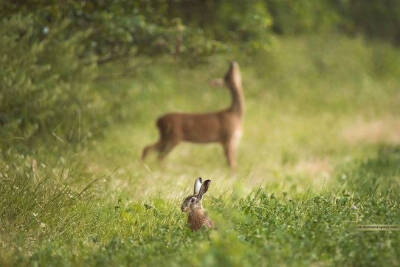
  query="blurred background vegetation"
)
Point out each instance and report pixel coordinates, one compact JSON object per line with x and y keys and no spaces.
{"x":82,"y":82}
{"x":53,"y":51}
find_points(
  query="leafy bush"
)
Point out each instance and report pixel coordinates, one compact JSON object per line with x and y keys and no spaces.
{"x":291,"y":17}
{"x":375,"y":18}
{"x":121,"y":29}
{"x":44,"y":83}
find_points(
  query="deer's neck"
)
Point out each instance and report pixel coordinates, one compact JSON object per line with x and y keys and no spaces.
{"x":237,"y":105}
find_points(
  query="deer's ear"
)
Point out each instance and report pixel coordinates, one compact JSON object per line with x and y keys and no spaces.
{"x":217,"y":82}
{"x":197,"y":186}
{"x":204,"y":188}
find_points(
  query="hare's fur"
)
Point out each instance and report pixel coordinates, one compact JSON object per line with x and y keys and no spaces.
{"x":197,"y":218}
{"x":192,"y":205}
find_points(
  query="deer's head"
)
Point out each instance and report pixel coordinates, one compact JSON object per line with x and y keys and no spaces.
{"x":232,"y":78}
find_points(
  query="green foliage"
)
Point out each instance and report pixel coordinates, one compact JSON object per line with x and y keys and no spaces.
{"x":367,"y":176}
{"x":121,"y":29}
{"x":247,"y":23}
{"x":375,"y":19}
{"x":44,"y":84}
{"x":379,"y":19}
{"x":319,"y":227}
{"x":36,"y":193}
{"x":291,"y":17}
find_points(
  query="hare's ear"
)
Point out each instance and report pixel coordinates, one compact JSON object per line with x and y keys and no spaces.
{"x":197,"y":186}
{"x":204,"y":188}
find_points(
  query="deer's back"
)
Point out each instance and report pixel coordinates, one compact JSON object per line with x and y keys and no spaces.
{"x":199,"y":128}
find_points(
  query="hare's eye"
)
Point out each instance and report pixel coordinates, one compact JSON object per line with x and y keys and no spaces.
{"x":192,"y":200}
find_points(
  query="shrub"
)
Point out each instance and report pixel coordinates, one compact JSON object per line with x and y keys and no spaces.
{"x":44,"y":82}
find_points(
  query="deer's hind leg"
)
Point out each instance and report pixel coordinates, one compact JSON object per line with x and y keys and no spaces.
{"x":166,"y":147}
{"x":162,"y":146}
{"x":156,"y":146}
{"x":167,"y":141}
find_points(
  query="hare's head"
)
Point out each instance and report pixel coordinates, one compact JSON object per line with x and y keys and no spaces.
{"x":194,"y":201}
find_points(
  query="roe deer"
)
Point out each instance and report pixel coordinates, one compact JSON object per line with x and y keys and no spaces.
{"x":223,"y":126}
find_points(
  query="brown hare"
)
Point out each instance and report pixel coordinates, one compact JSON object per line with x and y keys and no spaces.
{"x":197,"y":216}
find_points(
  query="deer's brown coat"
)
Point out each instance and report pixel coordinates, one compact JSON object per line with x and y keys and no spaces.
{"x":223,"y":126}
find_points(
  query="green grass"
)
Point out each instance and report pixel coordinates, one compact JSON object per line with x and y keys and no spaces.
{"x":320,"y":155}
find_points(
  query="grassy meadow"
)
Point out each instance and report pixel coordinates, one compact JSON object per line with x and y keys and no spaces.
{"x":319,"y":156}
